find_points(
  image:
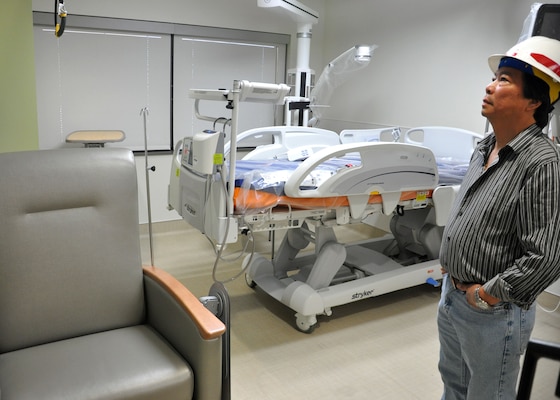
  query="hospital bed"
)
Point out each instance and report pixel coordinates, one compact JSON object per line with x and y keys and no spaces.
{"x":310,"y":186}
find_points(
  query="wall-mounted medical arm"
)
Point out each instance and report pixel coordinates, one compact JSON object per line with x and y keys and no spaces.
{"x":335,"y":73}
{"x":297,"y":11}
{"x":243,"y":91}
{"x":254,"y":92}
{"x":301,"y":77}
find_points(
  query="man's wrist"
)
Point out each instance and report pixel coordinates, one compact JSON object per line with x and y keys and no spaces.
{"x":491,"y":300}
{"x":480,"y":303}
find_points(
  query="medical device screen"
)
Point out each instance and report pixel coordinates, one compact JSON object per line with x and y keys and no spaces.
{"x":547,"y":22}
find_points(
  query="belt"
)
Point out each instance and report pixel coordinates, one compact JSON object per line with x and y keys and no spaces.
{"x":460,"y":285}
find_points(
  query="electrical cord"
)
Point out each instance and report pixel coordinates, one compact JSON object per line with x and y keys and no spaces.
{"x":226,"y":122}
{"x":548,"y":310}
{"x":221,"y":245}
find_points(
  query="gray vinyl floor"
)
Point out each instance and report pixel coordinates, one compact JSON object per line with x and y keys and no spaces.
{"x":384,"y":347}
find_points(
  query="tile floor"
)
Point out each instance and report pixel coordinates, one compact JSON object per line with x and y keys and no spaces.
{"x":380,"y":348}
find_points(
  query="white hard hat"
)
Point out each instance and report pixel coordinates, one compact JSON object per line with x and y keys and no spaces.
{"x":539,"y":56}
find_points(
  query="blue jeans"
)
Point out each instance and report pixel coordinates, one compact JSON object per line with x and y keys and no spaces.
{"x":480,"y":350}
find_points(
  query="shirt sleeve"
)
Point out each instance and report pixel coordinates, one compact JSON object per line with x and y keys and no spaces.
{"x":538,"y":225}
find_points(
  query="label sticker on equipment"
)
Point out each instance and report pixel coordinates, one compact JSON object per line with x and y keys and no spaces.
{"x":421,"y":196}
{"x":218,"y":158}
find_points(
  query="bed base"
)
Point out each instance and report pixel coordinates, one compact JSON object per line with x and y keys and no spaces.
{"x":337,"y":274}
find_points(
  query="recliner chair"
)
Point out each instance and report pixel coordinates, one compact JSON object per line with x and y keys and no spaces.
{"x":80,"y":318}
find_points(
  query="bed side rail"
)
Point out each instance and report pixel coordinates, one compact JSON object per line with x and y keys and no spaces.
{"x":386,"y":169}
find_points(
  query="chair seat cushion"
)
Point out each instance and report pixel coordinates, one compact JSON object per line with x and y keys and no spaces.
{"x":133,"y":362}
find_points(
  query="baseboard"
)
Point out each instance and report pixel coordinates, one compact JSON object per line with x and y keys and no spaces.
{"x":554,"y":288}
{"x":165,"y":226}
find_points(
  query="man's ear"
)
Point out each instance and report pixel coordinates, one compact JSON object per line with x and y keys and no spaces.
{"x":534,"y":104}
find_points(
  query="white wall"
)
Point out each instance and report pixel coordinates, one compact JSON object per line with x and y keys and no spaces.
{"x":233,"y":14}
{"x":431,"y":65}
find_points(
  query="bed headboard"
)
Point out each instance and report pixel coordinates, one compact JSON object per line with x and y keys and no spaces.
{"x":455,"y":143}
{"x":284,"y":140}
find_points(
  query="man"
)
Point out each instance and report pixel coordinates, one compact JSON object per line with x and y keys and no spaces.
{"x":501,"y":245}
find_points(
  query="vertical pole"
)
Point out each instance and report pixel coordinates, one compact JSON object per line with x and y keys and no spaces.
{"x":236,"y":93}
{"x":144,"y":112}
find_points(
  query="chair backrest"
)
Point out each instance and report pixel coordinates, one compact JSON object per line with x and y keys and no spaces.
{"x":69,"y":245}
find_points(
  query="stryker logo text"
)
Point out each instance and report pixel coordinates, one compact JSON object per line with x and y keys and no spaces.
{"x":362,"y":295}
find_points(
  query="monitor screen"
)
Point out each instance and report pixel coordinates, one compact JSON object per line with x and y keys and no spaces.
{"x":547,"y":21}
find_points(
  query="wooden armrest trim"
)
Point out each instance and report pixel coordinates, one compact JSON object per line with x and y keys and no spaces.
{"x":209,"y":325}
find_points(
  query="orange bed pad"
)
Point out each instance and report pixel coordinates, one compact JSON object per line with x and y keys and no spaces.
{"x":248,"y":199}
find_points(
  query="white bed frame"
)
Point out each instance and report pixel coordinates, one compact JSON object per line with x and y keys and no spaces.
{"x":335,"y":273}
{"x":338,"y":274}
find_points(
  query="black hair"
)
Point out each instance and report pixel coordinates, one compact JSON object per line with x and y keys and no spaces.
{"x":537,"y":89}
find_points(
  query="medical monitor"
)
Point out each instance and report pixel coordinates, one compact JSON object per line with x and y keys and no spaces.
{"x":543,"y":20}
{"x":547,"y":22}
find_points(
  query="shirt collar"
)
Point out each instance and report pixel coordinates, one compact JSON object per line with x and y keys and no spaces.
{"x":525,"y":138}
{"x":517,"y":144}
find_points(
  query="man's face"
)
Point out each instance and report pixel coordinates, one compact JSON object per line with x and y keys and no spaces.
{"x":504,"y":95}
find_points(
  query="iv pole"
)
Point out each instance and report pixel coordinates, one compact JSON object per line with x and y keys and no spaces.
{"x":144,"y":112}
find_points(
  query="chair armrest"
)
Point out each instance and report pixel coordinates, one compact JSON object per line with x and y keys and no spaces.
{"x":209,"y":326}
{"x":195,"y":333}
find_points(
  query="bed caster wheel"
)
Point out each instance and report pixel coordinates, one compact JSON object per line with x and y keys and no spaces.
{"x":306,"y":324}
{"x":251,"y":283}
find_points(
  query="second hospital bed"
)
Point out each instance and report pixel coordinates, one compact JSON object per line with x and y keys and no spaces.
{"x":325,"y":184}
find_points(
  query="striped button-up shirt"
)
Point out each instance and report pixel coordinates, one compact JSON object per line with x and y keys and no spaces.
{"x":504,"y":228}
